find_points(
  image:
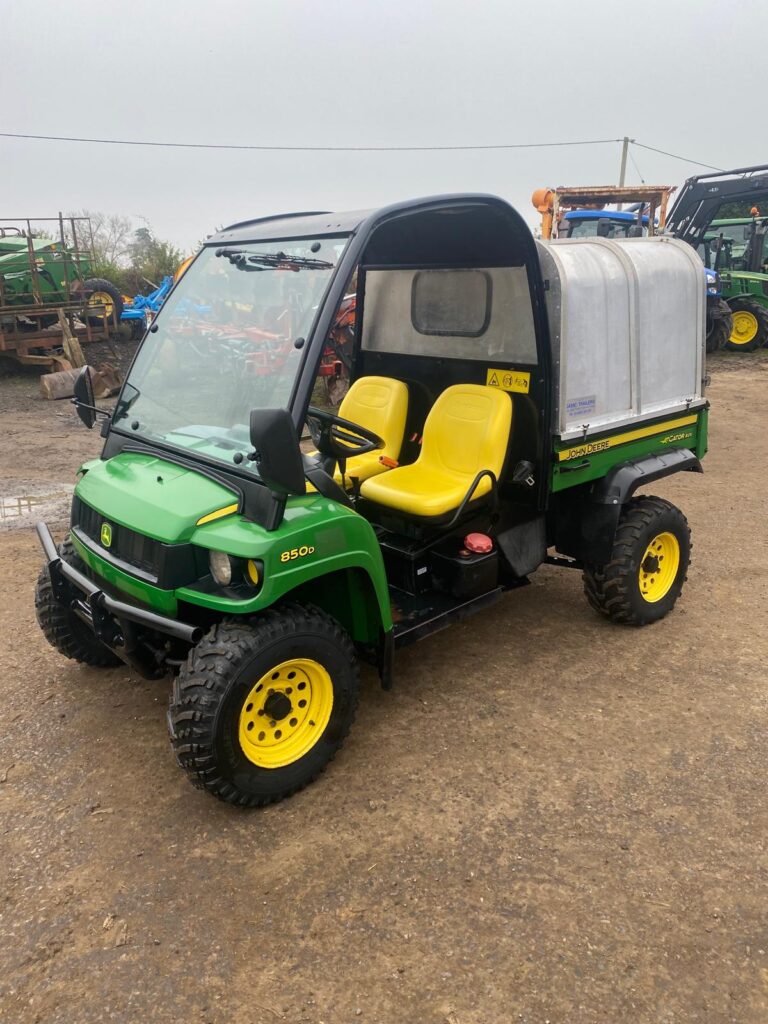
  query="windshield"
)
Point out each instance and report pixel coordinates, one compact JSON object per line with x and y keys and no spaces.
{"x":734,"y":233}
{"x":227,"y":341}
{"x":587,"y":228}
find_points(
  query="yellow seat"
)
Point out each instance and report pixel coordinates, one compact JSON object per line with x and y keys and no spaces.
{"x":467,"y":430}
{"x":381,"y":405}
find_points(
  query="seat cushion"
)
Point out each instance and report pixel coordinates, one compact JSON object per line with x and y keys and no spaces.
{"x":422,"y":491}
{"x":362,"y":466}
{"x":467,"y":431}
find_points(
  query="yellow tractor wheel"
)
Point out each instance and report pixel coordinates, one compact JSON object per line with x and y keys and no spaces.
{"x":750,"y":326}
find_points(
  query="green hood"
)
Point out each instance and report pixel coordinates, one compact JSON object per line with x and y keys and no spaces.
{"x":151,"y":496}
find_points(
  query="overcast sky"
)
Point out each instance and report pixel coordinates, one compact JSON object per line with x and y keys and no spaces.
{"x":674,"y":74}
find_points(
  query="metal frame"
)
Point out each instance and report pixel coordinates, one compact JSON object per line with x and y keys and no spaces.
{"x":701,"y":197}
{"x":112,"y":621}
{"x":551,"y":202}
{"x":16,"y":343}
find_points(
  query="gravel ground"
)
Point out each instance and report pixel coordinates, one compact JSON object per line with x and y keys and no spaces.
{"x":550,"y":819}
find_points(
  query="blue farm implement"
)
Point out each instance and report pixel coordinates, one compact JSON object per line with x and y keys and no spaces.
{"x":140,"y":311}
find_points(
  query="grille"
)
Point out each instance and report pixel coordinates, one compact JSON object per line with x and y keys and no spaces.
{"x":128,"y":546}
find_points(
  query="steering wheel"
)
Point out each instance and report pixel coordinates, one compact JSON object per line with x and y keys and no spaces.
{"x":338,"y":438}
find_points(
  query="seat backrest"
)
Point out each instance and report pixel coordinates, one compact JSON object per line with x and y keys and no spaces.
{"x":381,"y":405}
{"x":467,"y":430}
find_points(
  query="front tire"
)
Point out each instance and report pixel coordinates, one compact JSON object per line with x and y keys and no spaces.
{"x":750,"y":326}
{"x":62,"y":628}
{"x":720,"y":329}
{"x":643,"y":579}
{"x":261,"y":707}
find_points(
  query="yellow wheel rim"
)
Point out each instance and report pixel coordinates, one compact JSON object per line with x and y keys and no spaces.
{"x":285,"y":713}
{"x":102,"y":299}
{"x":745,"y":327}
{"x":658,"y":567}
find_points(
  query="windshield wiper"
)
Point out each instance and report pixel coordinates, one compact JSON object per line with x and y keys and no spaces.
{"x":244,"y":260}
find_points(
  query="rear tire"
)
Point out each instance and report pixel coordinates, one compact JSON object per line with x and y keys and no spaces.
{"x":644,"y":576}
{"x":62,"y":628}
{"x":107,"y":298}
{"x":226,"y":734}
{"x":750,"y":326}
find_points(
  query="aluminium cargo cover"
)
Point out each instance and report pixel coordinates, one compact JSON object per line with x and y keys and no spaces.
{"x":627,"y":326}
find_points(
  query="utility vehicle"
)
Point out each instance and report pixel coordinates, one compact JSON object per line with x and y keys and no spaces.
{"x":508,"y":401}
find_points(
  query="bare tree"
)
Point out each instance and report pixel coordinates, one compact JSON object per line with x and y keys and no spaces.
{"x":112,"y":236}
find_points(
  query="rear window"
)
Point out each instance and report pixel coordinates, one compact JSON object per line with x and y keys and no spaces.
{"x":481,"y":313}
{"x":451,"y":303}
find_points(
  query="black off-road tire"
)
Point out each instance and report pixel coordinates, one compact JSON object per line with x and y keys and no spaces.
{"x":213,"y":684}
{"x":62,"y":628}
{"x":613,"y":589}
{"x":720,"y":329}
{"x":760,"y":313}
{"x":99,"y":284}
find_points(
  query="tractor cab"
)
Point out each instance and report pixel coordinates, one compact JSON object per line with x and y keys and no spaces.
{"x":737,"y":244}
{"x":605,"y":223}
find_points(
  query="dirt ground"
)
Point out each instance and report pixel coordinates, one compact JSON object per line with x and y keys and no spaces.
{"x":550,"y":819}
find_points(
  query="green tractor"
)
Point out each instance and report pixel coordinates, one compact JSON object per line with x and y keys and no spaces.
{"x":39,"y":274}
{"x":500,"y":417}
{"x":737,"y":248}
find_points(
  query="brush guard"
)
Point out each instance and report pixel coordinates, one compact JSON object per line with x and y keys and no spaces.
{"x":115,"y":623}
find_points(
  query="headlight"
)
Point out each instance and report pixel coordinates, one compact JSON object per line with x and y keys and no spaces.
{"x":254,"y":571}
{"x":713,"y":283}
{"x":221,"y":567}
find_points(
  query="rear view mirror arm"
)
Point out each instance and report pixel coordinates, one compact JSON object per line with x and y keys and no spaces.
{"x":92,"y":408}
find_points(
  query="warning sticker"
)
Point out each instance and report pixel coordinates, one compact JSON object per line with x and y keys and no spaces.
{"x":509,"y":380}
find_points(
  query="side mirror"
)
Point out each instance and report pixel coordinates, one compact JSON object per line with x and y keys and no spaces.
{"x":277,"y":452}
{"x":84,"y":401}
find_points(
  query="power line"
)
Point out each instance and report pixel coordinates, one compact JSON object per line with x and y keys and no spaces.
{"x":634,"y":164}
{"x":305,"y":149}
{"x":349,"y":149}
{"x":675,"y":156}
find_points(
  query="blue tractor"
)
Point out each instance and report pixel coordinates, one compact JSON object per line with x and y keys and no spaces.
{"x":603,"y":224}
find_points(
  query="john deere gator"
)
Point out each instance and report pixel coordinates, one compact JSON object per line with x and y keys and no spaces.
{"x":511,"y":404}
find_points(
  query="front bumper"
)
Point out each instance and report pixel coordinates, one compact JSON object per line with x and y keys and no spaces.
{"x":113,"y":622}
